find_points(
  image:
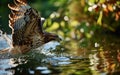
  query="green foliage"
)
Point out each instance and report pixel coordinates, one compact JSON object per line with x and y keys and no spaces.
{"x":46,"y":7}
{"x":106,"y":11}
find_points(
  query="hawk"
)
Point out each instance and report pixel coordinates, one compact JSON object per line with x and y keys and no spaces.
{"x":26,"y":24}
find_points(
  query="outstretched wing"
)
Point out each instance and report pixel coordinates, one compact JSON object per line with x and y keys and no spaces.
{"x":24,"y":22}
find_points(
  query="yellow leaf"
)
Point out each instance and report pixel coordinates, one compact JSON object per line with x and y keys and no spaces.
{"x":88,"y":35}
{"x":102,"y":1}
{"x":53,"y":27}
{"x":91,"y":1}
{"x":113,"y":66}
{"x":61,"y":33}
{"x":99,"y":21}
{"x":62,"y":23}
{"x":110,"y":8}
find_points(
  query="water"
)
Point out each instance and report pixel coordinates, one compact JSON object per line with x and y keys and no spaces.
{"x":54,"y":59}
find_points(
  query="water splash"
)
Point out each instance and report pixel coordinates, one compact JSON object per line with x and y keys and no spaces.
{"x":5,"y":40}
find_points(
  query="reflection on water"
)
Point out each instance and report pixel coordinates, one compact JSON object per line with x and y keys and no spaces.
{"x":105,"y":61}
{"x":51,"y":65}
{"x":51,"y":59}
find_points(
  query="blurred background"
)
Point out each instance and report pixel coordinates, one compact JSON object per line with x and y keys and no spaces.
{"x":89,"y":28}
{"x":68,"y":15}
{"x":83,"y":22}
{"x":77,"y":20}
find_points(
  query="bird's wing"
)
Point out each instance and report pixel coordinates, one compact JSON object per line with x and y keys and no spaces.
{"x":24,"y":21}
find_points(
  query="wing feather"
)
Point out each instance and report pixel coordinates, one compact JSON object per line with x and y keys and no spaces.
{"x":13,"y":7}
{"x":23,"y":21}
{"x":24,"y":2}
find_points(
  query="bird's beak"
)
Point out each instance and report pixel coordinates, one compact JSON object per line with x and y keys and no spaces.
{"x":51,"y":37}
{"x":58,"y":38}
{"x":55,"y":37}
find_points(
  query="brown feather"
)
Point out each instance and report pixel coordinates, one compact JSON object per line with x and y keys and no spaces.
{"x":13,"y":7}
{"x":17,"y":3}
{"x":24,"y":2}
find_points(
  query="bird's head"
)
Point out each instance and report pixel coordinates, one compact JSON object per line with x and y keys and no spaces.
{"x":50,"y":37}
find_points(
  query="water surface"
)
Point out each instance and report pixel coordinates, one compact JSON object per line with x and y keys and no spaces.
{"x":54,"y":59}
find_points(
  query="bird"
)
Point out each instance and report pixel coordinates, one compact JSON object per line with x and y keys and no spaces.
{"x":27,"y":28}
